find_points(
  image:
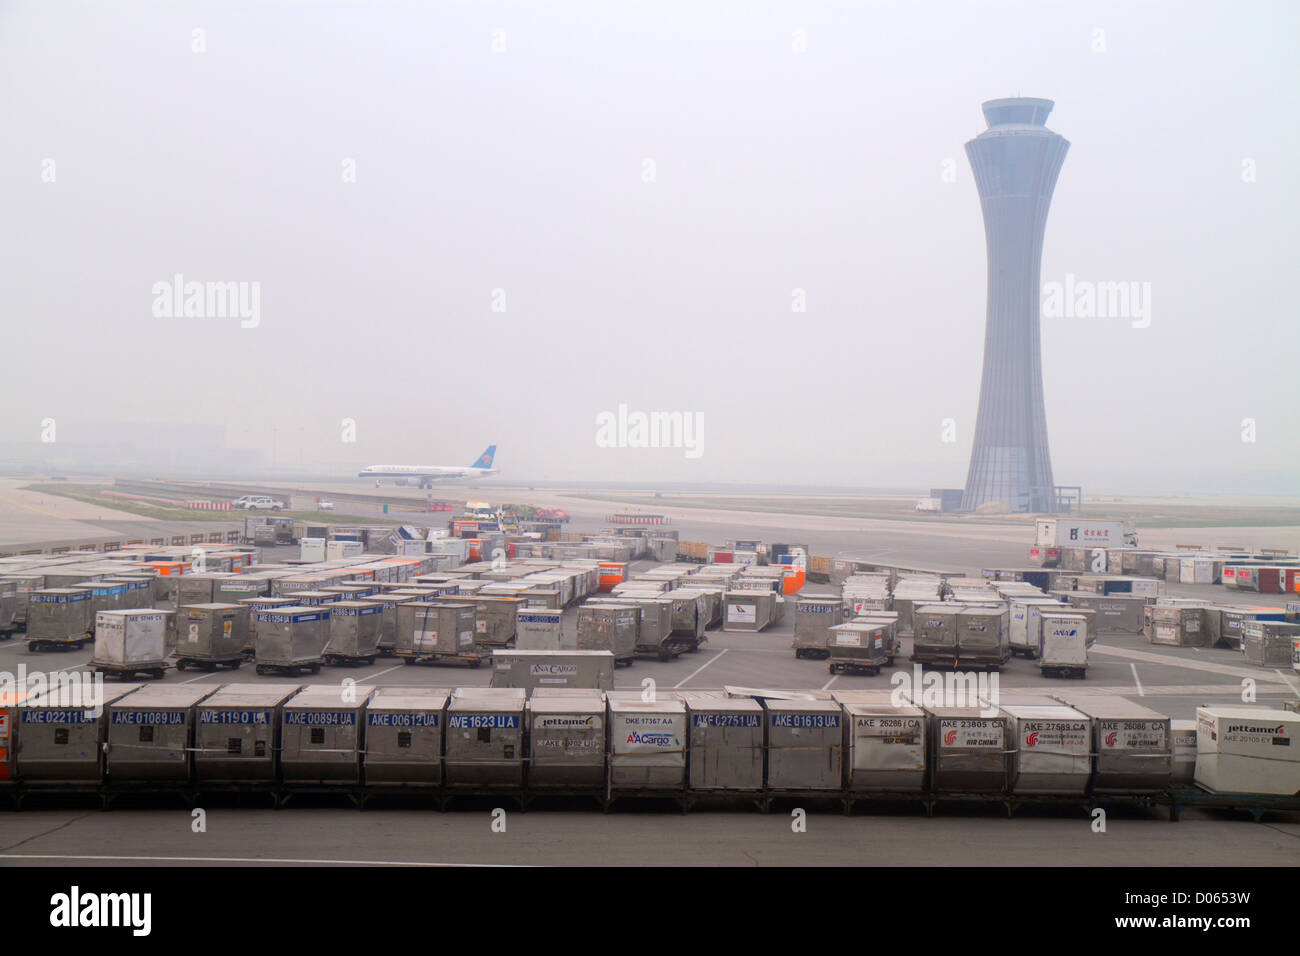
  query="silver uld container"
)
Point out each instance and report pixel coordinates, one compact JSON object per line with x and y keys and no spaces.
{"x":539,"y":629}
{"x":805,"y":744}
{"x":1116,"y":613}
{"x":530,"y":669}
{"x":1268,"y":643}
{"x":857,"y":643}
{"x":404,"y":736}
{"x":1132,"y":744}
{"x":725,"y":750}
{"x":496,"y":618}
{"x":609,"y":627}
{"x":934,"y":633}
{"x":1183,"y":733}
{"x":655,"y":625}
{"x":237,"y":733}
{"x":748,"y":610}
{"x":387,"y":605}
{"x":292,"y":636}
{"x":58,"y":742}
{"x":1052,"y":749}
{"x":316,"y":598}
{"x":151,"y":733}
{"x":968,"y":750}
{"x":690,"y":613}
{"x":235,"y":588}
{"x":254,"y":605}
{"x":212,"y":632}
{"x":355,"y":627}
{"x":1179,"y":626}
{"x":485,"y":738}
{"x":813,"y":619}
{"x":59,"y":615}
{"x":647,"y":743}
{"x":1023,"y":621}
{"x":711,"y":602}
{"x":886,"y":746}
{"x":887,"y":621}
{"x":132,"y":637}
{"x":566,"y":743}
{"x":982,"y":639}
{"x":439,"y":630}
{"x":23,"y":584}
{"x":321,"y":734}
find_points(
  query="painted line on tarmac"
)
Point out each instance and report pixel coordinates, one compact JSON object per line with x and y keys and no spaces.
{"x":243,"y":859}
{"x":700,"y":668}
{"x":1227,"y":670}
{"x":1287,"y":682}
{"x":383,"y":672}
{"x":826,"y":686}
{"x":1135,"y":679}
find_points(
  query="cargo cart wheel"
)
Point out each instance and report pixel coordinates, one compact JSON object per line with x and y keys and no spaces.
{"x":315,"y":668}
{"x":408,"y":660}
{"x":157,"y":673}
{"x":261,"y":669}
{"x":180,"y":665}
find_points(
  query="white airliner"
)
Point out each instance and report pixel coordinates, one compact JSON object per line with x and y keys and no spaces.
{"x":426,"y":475}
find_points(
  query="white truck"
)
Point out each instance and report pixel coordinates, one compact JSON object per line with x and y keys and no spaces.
{"x":258,"y":503}
{"x":1083,"y":533}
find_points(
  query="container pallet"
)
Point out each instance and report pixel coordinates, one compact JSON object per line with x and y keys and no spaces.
{"x":154,"y":669}
{"x":436,"y":660}
{"x":210,"y":663}
{"x":289,"y":670}
{"x":343,"y":660}
{"x":40,"y":645}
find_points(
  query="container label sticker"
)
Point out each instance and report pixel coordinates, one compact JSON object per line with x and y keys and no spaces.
{"x":742,"y":614}
{"x":970,"y":734}
{"x":172,"y":717}
{"x":319,"y":718}
{"x":403,"y":720}
{"x":568,"y":722}
{"x":475,"y":721}
{"x":257,"y":717}
{"x":651,"y":740}
{"x":1055,"y":735}
{"x":553,"y":670}
{"x":1132,"y":735}
{"x":466,"y":637}
{"x":854,"y":640}
{"x":47,"y":716}
{"x":805,"y":720}
{"x":726,"y":720}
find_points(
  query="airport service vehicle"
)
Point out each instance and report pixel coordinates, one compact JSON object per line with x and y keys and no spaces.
{"x":324,"y":505}
{"x":1083,"y":533}
{"x":423,"y":476}
{"x":258,"y":503}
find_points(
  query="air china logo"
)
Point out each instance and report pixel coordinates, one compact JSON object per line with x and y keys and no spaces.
{"x":1032,"y":739}
{"x":949,"y":738}
{"x":1111,"y":738}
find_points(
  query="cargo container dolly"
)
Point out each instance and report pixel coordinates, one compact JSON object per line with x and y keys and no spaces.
{"x":124,"y":672}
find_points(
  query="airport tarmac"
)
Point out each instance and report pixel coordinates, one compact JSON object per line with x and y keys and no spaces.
{"x":1170,"y":680}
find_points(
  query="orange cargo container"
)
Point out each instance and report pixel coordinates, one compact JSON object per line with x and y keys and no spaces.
{"x":793,"y":581}
{"x":612,"y":574}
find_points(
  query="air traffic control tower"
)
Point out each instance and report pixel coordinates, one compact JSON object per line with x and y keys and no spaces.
{"x":1016,"y":162}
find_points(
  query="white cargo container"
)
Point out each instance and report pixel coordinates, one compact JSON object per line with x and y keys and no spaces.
{"x":1024,"y":622}
{"x":311,"y":549}
{"x":539,"y":629}
{"x":131,"y":641}
{"x":1065,"y":644}
{"x":1248,"y":750}
{"x":531,"y":669}
{"x":647,"y":743}
{"x":566,"y":745}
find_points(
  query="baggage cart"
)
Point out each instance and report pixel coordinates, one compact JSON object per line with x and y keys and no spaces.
{"x":856,"y":647}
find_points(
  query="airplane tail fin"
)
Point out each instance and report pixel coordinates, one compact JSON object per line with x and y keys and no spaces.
{"x":485,"y":460}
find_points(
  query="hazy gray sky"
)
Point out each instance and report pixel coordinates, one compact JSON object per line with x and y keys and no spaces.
{"x":524,"y":170}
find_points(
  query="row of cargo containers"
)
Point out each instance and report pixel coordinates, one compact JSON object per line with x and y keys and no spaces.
{"x":495,"y":739}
